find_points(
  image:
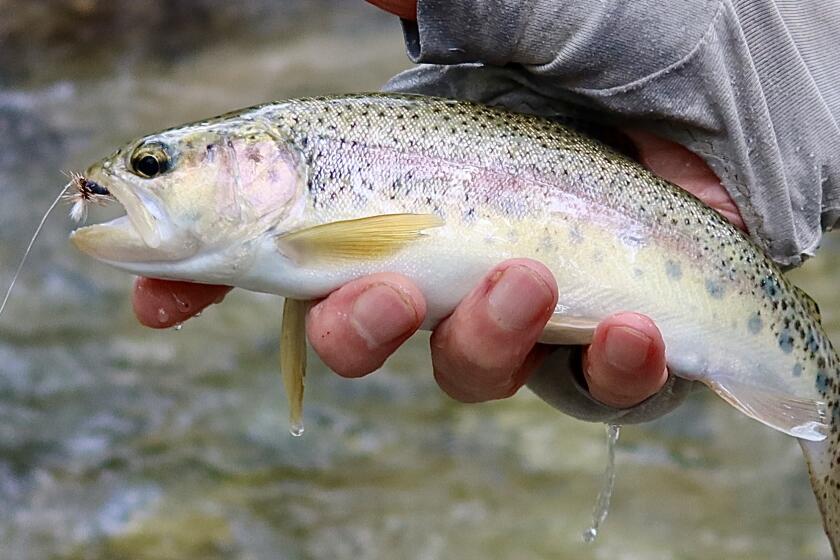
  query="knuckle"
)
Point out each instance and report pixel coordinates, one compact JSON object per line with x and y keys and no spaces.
{"x":331,"y":338}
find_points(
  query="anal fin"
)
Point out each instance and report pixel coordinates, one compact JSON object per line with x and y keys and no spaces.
{"x":796,"y":416}
{"x":293,"y":359}
{"x":568,"y":330}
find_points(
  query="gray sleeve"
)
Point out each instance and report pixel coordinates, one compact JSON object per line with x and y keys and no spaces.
{"x":559,"y":382}
{"x":752,"y":86}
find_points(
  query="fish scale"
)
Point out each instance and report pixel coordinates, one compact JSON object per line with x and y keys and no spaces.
{"x":298,"y":197}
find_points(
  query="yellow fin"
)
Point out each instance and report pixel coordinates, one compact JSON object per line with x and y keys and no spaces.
{"x":566,"y":330}
{"x":358,"y":239}
{"x":809,"y":302}
{"x":293,"y":359}
{"x":796,"y":416}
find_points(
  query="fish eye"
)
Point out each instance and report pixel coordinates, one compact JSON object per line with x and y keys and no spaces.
{"x":150,"y":160}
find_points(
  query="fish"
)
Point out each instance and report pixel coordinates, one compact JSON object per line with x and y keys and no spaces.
{"x":298,"y":197}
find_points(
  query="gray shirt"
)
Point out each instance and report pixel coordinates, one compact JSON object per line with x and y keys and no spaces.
{"x":751,"y":86}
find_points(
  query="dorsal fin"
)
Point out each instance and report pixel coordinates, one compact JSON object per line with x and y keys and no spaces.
{"x":808,"y":302}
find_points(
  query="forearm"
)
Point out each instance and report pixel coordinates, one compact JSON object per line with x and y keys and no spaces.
{"x":565,"y":39}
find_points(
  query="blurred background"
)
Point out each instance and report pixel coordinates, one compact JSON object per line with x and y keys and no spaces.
{"x":122,"y":442}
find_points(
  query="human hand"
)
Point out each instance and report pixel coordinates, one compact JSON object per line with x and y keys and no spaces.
{"x":406,"y":9}
{"x":484,"y":351}
{"x":487,"y":348}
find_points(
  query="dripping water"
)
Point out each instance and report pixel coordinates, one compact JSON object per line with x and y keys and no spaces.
{"x":602,"y":503}
{"x":296,"y":429}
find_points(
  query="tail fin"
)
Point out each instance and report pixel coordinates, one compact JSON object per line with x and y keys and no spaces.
{"x":824,"y":468}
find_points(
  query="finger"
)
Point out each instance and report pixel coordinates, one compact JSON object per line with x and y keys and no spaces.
{"x":163,"y":303}
{"x":485,"y":349}
{"x":686,"y":169}
{"x":625,"y":364}
{"x":406,"y":9}
{"x":358,"y":326}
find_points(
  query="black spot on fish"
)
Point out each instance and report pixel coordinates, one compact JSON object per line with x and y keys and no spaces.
{"x":821,"y":381}
{"x":771,"y":286}
{"x":786,"y":341}
{"x":715,"y":289}
{"x":835,"y":419}
{"x":755,"y":324}
{"x":812,"y":343}
{"x":673,"y":269}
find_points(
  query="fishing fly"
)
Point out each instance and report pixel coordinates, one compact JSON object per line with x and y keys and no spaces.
{"x":84,"y":192}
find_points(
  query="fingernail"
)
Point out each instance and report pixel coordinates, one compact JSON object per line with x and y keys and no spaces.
{"x":518,"y":298}
{"x":381,"y":314}
{"x":626,"y":348}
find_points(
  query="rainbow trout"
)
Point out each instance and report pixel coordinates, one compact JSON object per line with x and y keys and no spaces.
{"x":298,"y":197}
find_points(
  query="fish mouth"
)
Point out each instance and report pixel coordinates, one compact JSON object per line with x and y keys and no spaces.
{"x":137,"y":236}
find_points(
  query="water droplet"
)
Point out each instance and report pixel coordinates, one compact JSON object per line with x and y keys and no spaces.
{"x":178,"y":327}
{"x":296,"y":429}
{"x":182,"y":305}
{"x":590,"y":534}
{"x":163,"y":316}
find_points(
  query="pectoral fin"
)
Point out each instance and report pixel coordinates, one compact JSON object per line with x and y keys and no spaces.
{"x":566,"y":330}
{"x":359,"y":239}
{"x":799,"y":417}
{"x":293,"y":359}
